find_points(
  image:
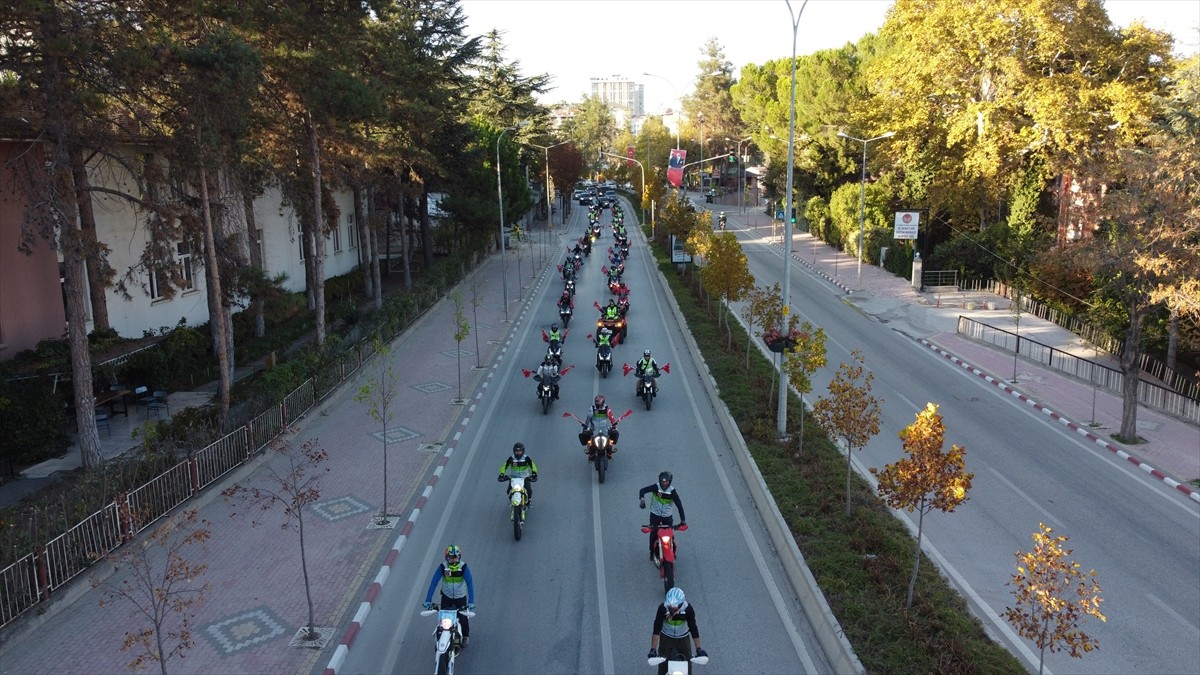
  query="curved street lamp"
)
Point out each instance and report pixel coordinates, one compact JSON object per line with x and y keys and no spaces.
{"x":500,"y":197}
{"x":862,"y":196}
{"x":549,"y":224}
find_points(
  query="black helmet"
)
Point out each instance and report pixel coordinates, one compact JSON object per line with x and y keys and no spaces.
{"x":664,"y":480}
{"x":518,"y":448}
{"x":646,"y":353}
{"x":553,"y":327}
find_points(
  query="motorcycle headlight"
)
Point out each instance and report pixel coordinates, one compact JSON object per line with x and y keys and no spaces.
{"x":446,"y":624}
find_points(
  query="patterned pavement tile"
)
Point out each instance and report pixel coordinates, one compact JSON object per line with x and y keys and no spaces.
{"x":396,"y":435}
{"x":334,"y":510}
{"x":455,"y":353}
{"x":431,"y":387}
{"x":243,"y":630}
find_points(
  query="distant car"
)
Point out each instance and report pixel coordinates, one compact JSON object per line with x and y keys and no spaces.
{"x":610,"y":195}
{"x":576,"y":195}
{"x":610,"y":184}
{"x":628,"y":186}
{"x":589,"y":183}
{"x":585,"y":199}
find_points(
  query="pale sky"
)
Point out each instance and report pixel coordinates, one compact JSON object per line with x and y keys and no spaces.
{"x":576,"y":40}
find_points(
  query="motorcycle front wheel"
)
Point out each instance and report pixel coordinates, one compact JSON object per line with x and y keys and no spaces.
{"x":668,"y":575}
{"x":648,"y":398}
{"x":546,"y":403}
{"x":444,"y":666}
{"x":566,"y":319}
{"x":603,"y":372}
{"x":518,"y":518}
{"x":601,"y":466}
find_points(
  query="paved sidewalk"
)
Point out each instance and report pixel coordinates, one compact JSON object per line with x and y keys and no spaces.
{"x":257,"y":602}
{"x":1172,"y":448}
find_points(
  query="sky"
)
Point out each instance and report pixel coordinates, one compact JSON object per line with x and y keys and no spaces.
{"x":576,"y":40}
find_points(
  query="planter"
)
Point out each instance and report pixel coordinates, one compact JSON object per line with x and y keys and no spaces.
{"x":970,"y":306}
{"x":782,"y":345}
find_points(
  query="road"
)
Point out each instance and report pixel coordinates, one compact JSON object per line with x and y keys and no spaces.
{"x":1142,"y":537}
{"x":577,"y":593}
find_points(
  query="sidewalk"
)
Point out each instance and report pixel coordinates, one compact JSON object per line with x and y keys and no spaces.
{"x":1172,"y":448}
{"x":257,"y":602}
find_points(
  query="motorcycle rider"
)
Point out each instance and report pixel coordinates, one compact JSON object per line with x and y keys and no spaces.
{"x":548,"y":372}
{"x":663,"y":500}
{"x":568,"y":268}
{"x":458,"y":590}
{"x":555,"y":334}
{"x":600,"y":415}
{"x":721,"y":220}
{"x":611,"y":311}
{"x":646,"y":364}
{"x":565,"y":302}
{"x":520,"y":465}
{"x":604,"y":337}
{"x":674,"y":621}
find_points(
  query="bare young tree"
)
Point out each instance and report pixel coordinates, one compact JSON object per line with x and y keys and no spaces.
{"x":377,"y":394}
{"x":157,"y":577}
{"x":294,"y":485}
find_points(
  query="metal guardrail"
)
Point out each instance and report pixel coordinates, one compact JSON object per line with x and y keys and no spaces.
{"x":1150,"y":394}
{"x":1181,"y":382}
{"x":939,"y":278}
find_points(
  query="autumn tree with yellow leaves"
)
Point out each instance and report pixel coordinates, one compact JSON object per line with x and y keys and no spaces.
{"x":850,"y":412}
{"x":1053,"y":597}
{"x":927,"y":479}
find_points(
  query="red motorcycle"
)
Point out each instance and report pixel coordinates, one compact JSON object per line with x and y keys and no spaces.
{"x":664,"y":551}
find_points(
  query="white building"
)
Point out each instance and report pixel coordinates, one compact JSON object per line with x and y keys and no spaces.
{"x":621,"y":94}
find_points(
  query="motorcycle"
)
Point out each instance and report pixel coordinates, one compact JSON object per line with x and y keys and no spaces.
{"x":623,"y":304}
{"x":602,"y":443}
{"x":447,"y":636}
{"x":586,"y":243}
{"x":646,"y":389}
{"x":677,"y":663}
{"x":624,"y":248}
{"x":664,"y":551}
{"x":721,"y":222}
{"x":564,"y":314}
{"x":545,"y":389}
{"x":604,"y":360}
{"x":554,"y":351}
{"x":518,"y":500}
{"x":569,"y":285}
{"x":618,"y":325}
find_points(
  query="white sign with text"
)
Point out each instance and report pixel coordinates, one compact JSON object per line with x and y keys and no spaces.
{"x":907,"y":223}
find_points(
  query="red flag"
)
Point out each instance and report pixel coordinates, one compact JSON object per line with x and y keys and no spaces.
{"x":675,"y":167}
{"x":624,"y":366}
{"x":527,"y":372}
{"x":564,"y":370}
{"x":545,"y":337}
{"x":667,"y":368}
{"x":629,"y":154}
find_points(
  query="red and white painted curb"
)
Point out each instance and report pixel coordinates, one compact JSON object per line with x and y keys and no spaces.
{"x":1073,"y":426}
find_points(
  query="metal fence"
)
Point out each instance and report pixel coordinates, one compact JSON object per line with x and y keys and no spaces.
{"x":1094,"y":335}
{"x":1150,"y":394}
{"x":32,"y":578}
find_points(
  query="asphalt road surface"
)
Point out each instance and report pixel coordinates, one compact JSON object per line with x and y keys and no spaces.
{"x":577,"y":593}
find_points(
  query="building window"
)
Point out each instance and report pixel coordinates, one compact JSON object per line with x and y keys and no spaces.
{"x":335,"y":236}
{"x":351,"y":231}
{"x":158,"y":283}
{"x":184,"y":261}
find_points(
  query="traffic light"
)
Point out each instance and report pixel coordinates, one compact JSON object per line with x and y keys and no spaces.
{"x":793,"y":215}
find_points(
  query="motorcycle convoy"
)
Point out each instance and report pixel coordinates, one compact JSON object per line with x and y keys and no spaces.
{"x":598,"y":432}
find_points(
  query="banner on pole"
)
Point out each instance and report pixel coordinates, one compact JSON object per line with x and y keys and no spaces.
{"x":907,"y":224}
{"x":629,"y":154}
{"x":675,"y":167}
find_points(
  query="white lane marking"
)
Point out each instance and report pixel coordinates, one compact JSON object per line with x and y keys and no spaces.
{"x":1027,"y":498}
{"x":606,"y":648}
{"x":1175,"y":615}
{"x":739,"y":515}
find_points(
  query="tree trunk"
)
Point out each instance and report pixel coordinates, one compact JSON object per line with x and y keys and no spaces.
{"x":364,"y":243}
{"x":212,"y":274}
{"x":373,"y":236}
{"x":96,"y":265}
{"x":1172,"y":338}
{"x":318,"y":237}
{"x":426,"y":230}
{"x":405,"y":251}
{"x":912,"y":582}
{"x":849,"y":455}
{"x":1130,"y":357}
{"x":254,"y":235}
{"x":312,"y":622}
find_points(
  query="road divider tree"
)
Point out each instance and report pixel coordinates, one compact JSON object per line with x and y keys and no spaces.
{"x":927,"y":479}
{"x":850,"y":412}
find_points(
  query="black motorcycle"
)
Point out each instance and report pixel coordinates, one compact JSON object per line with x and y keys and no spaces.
{"x":554,"y":351}
{"x":564,"y":314}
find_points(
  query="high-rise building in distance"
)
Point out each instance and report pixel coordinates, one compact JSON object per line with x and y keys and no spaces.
{"x":620,"y":93}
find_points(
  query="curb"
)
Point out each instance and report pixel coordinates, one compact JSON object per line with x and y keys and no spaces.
{"x":1186,"y":489}
{"x":364,"y":609}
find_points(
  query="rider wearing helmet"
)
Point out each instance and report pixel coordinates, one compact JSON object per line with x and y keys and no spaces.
{"x":663,"y":500}
{"x":564,"y":301}
{"x":458,"y":590}
{"x":555,"y":333}
{"x":548,"y":372}
{"x":520,"y":465}
{"x":601,"y":414}
{"x":611,"y":311}
{"x":721,"y":220}
{"x":647,"y":364}
{"x":604,"y":337}
{"x":674,"y":622}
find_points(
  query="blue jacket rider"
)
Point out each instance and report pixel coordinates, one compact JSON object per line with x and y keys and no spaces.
{"x":458,"y":590}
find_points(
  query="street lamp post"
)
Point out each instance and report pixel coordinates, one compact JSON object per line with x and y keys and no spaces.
{"x":640,"y":166}
{"x":862,"y":196}
{"x":679,"y":101}
{"x":500,"y":197}
{"x":741,"y":173}
{"x":781,"y":410}
{"x":546,"y":149}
